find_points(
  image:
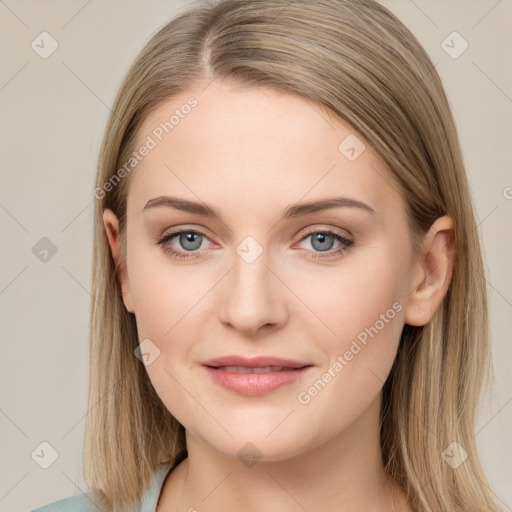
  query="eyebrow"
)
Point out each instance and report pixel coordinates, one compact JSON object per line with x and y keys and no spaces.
{"x":291,"y":212}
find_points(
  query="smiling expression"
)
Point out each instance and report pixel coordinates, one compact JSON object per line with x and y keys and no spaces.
{"x":250,"y":233}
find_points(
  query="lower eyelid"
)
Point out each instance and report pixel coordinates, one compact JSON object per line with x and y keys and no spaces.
{"x":345,"y":243}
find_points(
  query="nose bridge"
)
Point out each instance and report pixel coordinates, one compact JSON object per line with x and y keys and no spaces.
{"x":251,"y":295}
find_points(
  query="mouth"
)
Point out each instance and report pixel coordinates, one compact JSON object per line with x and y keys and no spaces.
{"x":255,"y":376}
{"x":259,"y":363}
{"x":263,"y":369}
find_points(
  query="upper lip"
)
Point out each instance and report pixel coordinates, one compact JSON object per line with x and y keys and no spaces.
{"x":254,"y":362}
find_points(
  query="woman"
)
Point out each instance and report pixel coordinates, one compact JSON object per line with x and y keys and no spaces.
{"x":236,"y":362}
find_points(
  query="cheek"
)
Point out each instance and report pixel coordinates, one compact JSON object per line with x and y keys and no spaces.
{"x":168,"y":311}
{"x":164,"y":293}
{"x":362,"y":319}
{"x":358,"y":316}
{"x":351,"y":297}
{"x":165,"y":314}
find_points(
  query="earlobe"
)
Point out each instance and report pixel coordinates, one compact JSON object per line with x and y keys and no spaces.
{"x":111,"y":224}
{"x":434,"y":269}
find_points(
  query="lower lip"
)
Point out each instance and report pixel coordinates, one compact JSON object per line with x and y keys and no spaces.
{"x":253,"y":384}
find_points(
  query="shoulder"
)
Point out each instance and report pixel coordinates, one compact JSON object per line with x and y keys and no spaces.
{"x":85,"y":502}
{"x":79,"y":503}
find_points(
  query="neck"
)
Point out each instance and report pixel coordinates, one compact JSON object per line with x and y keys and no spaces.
{"x":345,"y":474}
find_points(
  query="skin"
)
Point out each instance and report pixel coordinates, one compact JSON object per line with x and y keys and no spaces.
{"x":251,"y":152}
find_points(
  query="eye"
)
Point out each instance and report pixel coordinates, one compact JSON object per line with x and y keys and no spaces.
{"x":190,"y":240}
{"x":322,"y":241}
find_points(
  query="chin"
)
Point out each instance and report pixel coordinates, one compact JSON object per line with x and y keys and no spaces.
{"x":251,"y":446}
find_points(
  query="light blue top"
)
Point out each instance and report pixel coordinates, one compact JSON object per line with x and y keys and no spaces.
{"x":84,"y":502}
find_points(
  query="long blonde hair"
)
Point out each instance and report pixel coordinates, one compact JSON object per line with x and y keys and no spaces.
{"x":358,"y":60}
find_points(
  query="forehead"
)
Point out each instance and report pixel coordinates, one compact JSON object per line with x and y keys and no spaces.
{"x":245,"y":145}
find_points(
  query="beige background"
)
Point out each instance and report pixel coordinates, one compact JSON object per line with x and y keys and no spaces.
{"x":53,"y":114}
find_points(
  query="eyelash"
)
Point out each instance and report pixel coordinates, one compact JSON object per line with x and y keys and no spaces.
{"x":346,"y":244}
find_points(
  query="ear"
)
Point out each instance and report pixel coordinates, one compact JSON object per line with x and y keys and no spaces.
{"x":432,"y":273}
{"x":111,"y":224}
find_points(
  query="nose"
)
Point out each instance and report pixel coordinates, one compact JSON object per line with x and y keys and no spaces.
{"x":253,"y":298}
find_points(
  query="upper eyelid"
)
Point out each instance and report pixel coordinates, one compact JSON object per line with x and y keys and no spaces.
{"x":309,"y":232}
{"x":335,"y":231}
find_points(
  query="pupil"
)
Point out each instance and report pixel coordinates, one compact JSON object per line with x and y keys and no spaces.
{"x":190,"y":238}
{"x":321,"y":238}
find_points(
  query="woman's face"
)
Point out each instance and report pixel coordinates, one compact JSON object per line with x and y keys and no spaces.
{"x":249,"y":278}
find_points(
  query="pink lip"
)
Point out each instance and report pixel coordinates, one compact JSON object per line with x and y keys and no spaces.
{"x":254,"y":362}
{"x":253,"y":384}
